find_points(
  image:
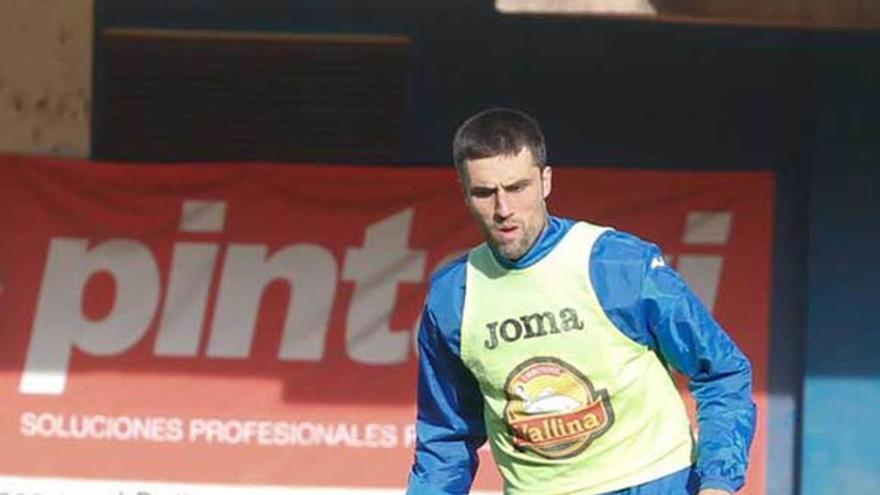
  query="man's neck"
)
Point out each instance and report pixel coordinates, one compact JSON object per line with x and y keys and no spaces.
{"x":551,"y":232}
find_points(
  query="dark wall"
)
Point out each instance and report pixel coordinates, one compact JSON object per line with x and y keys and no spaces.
{"x":607,"y":91}
{"x":628,"y":94}
{"x":841,"y":446}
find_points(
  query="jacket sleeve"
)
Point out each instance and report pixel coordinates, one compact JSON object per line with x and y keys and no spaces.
{"x":655,"y":307}
{"x":720,"y":376}
{"x":449,"y":423}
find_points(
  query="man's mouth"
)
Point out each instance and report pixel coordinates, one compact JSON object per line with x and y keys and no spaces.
{"x":507,"y":232}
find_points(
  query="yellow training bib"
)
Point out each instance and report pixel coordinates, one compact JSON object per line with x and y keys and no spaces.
{"x":572,"y":405}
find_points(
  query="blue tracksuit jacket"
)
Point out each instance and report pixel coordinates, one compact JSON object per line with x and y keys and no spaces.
{"x":651,"y":305}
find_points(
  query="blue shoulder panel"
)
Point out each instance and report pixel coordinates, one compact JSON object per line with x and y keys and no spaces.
{"x":651,"y":304}
{"x":617,"y":272}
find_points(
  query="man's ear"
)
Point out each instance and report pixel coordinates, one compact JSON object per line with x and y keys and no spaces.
{"x":547,"y":180}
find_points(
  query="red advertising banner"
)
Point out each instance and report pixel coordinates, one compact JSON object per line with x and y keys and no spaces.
{"x":211,"y":328}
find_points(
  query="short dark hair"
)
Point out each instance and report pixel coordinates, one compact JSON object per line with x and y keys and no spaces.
{"x":498,"y":131}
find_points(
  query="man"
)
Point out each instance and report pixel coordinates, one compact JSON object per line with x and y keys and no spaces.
{"x":553,"y":340}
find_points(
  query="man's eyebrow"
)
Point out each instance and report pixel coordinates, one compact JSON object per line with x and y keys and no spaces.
{"x":519,"y":183}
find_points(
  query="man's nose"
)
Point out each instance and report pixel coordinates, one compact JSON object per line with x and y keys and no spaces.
{"x":502,"y":205}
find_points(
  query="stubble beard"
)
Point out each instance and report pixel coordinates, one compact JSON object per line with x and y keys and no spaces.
{"x":513,"y":251}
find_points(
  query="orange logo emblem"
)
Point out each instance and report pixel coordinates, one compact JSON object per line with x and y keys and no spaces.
{"x":553,"y":410}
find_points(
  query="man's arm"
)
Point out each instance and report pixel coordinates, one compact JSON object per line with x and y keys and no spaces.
{"x":449,"y":425}
{"x":652,"y":305}
{"x":720,"y":376}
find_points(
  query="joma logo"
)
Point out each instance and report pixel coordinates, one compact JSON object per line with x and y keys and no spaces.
{"x":532,"y":325}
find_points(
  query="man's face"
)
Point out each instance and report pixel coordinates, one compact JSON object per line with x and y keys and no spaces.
{"x":506,"y":196}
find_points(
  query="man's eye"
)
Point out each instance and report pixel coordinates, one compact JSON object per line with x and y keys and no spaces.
{"x":481,"y":193}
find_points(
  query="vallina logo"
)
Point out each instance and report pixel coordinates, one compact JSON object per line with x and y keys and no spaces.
{"x":553,"y":410}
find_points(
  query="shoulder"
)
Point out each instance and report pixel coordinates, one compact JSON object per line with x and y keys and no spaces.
{"x":620,"y":262}
{"x":624,"y":249}
{"x":448,"y":277}
{"x":445,"y":300}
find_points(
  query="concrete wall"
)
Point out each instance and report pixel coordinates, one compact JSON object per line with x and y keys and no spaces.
{"x":45,"y":76}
